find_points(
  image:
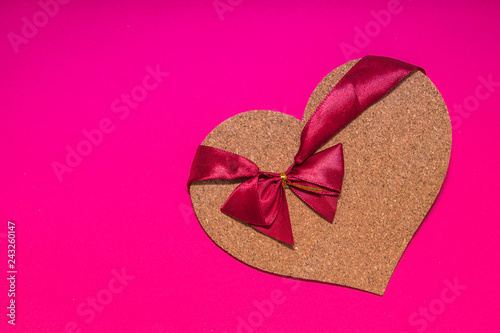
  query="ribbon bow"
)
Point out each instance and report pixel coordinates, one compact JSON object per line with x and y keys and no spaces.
{"x":315,"y":178}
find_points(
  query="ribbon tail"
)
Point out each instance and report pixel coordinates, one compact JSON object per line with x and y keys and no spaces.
{"x":244,"y":203}
{"x":366,"y":82}
{"x":281,"y":229}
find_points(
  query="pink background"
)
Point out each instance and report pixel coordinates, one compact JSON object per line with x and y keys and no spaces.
{"x":125,"y":206}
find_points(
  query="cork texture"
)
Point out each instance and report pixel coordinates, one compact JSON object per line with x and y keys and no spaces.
{"x":396,"y":157}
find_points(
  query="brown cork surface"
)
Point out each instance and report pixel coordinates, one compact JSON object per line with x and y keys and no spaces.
{"x":396,"y":156}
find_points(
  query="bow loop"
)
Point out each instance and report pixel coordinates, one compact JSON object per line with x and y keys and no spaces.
{"x":324,"y":169}
{"x":214,"y":163}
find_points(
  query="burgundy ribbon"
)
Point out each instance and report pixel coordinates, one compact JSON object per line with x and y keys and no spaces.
{"x":315,"y":178}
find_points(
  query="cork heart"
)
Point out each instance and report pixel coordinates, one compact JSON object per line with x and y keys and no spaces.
{"x":396,"y":157}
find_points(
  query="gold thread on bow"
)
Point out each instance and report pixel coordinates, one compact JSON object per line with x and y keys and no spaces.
{"x":285,"y":181}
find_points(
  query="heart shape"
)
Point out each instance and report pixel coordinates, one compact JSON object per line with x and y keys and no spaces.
{"x":396,"y":155}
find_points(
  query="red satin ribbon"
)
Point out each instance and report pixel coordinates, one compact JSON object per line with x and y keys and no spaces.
{"x":315,"y":178}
